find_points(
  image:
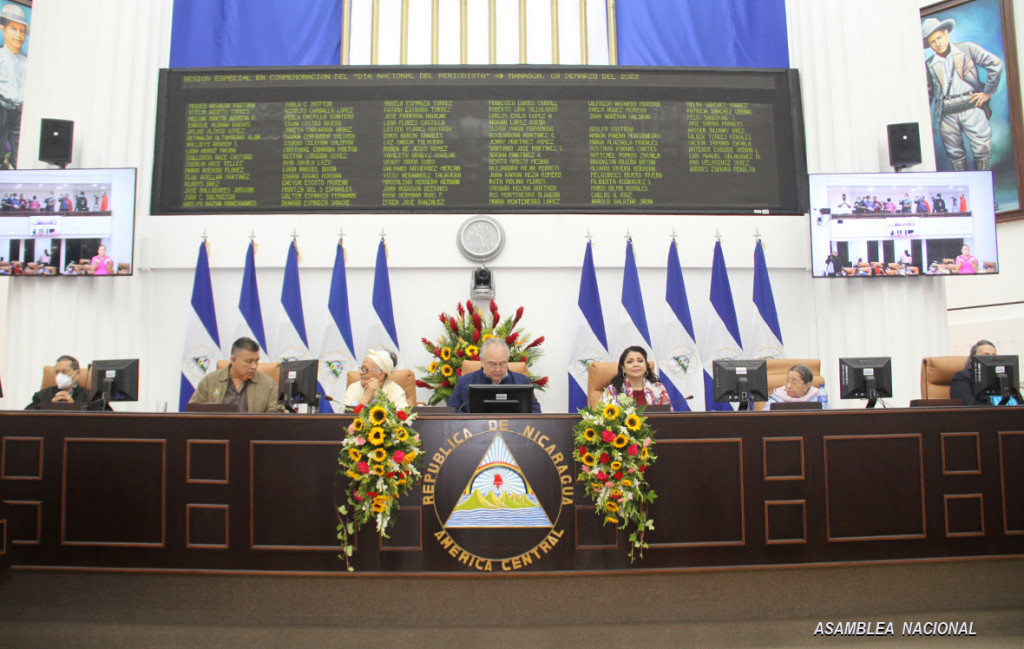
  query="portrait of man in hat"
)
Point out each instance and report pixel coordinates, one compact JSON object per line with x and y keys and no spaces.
{"x":14,"y":31}
{"x":962,"y":77}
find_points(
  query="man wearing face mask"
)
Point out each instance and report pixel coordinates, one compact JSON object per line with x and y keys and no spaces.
{"x":66,"y":390}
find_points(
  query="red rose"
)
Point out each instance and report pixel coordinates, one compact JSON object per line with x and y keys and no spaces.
{"x":618,"y":475}
{"x":371,"y":494}
{"x":398,"y":457}
{"x":542,"y":381}
{"x":643,"y":468}
{"x":445,"y":384}
{"x":389,"y":474}
{"x":363,"y":467}
{"x":607,"y":436}
{"x":583,"y":450}
{"x":402,"y":415}
{"x":633,"y":449}
{"x":536,"y":343}
{"x":601,"y":475}
{"x":460,"y":353}
{"x":357,"y":408}
{"x":357,"y":496}
{"x":605,"y":458}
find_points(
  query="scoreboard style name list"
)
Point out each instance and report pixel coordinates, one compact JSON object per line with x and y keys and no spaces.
{"x":497,"y":139}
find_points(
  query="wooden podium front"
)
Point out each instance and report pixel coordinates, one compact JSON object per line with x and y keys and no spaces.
{"x":185,"y":492}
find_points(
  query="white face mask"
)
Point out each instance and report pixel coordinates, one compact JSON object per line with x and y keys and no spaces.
{"x":64,"y":381}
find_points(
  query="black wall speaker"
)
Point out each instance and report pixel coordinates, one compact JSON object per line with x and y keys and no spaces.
{"x":904,"y":145}
{"x":55,"y":139}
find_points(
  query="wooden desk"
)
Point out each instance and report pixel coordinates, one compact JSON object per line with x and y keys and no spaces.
{"x":257,"y":493}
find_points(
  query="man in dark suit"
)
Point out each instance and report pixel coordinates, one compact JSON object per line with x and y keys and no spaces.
{"x":493,"y":369}
{"x":67,"y":389}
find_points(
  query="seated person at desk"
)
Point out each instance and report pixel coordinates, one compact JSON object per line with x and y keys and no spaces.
{"x":373,"y":375}
{"x":240,"y":382}
{"x":636,"y":380}
{"x":797,"y":388}
{"x":961,"y":387}
{"x":66,"y":390}
{"x":493,"y":369}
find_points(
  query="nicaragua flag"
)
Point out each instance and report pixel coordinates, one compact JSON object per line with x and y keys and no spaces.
{"x":590,"y":342}
{"x":290,"y":342}
{"x":722,"y":335}
{"x":679,"y":364}
{"x":337,"y":353}
{"x":633,"y":328}
{"x":382,"y":333}
{"x":765,"y":339}
{"x":249,"y":301}
{"x":202,"y":342}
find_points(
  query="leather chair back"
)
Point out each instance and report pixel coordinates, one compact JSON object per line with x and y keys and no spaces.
{"x":937,"y":374}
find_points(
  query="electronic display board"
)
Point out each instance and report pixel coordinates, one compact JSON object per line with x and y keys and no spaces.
{"x":479,"y":139}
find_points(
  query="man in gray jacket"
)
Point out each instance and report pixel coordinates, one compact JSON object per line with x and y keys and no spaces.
{"x":958,"y":95}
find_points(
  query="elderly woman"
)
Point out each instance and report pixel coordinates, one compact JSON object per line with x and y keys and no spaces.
{"x":798,"y":387}
{"x":373,"y":375}
{"x":635,"y":379}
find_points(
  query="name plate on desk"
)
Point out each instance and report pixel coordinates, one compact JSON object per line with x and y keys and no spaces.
{"x":497,"y":494}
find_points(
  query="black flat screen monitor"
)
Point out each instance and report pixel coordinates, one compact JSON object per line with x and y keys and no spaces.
{"x":498,"y":398}
{"x":996,"y":376}
{"x":740,"y":381}
{"x":865,"y":378}
{"x":298,"y":382}
{"x":116,"y":380}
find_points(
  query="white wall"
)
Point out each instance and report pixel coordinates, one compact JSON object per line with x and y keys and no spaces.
{"x":113,"y":105}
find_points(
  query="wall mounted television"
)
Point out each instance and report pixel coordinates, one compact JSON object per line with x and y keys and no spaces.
{"x":899,"y":224}
{"x":53,"y":221}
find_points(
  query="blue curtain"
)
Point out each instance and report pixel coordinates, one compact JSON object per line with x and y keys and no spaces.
{"x":716,"y":33}
{"x":221,"y":33}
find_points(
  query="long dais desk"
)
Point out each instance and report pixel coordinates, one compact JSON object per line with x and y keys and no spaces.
{"x":184,"y":492}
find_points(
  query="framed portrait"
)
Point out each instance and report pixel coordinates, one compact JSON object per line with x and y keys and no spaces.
{"x":974,"y":94}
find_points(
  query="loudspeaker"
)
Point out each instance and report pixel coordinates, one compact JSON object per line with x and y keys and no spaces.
{"x":55,"y":139}
{"x":904,"y":145}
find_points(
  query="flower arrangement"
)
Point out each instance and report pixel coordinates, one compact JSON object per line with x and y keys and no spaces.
{"x":379,"y":457}
{"x":461,"y":340}
{"x":615,"y":446}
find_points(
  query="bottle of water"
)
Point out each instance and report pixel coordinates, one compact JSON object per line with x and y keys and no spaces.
{"x":822,"y":396}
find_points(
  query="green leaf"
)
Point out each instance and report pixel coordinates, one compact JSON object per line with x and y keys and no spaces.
{"x":350,"y":528}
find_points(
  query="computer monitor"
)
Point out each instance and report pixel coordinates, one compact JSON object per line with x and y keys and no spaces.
{"x":996,"y":376}
{"x":744,"y":381}
{"x":498,"y":398}
{"x":298,"y":382}
{"x":116,"y":380}
{"x":865,"y":378}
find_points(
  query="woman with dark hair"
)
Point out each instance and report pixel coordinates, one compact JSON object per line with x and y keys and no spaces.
{"x":960,"y":387}
{"x":635,"y":379}
{"x":799,"y":386}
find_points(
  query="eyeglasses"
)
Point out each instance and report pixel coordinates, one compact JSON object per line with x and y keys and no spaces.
{"x":366,"y":370}
{"x":491,"y":365}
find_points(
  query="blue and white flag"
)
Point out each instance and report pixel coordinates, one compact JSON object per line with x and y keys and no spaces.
{"x":679,"y":363}
{"x":290,"y":342}
{"x":765,"y":337}
{"x":249,"y":302}
{"x":337,"y":353}
{"x":590,"y":341}
{"x":632,"y":328}
{"x":722,"y":335}
{"x":382,"y":332}
{"x":202,"y":342}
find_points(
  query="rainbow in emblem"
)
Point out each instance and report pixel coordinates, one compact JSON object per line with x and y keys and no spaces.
{"x":498,"y":495}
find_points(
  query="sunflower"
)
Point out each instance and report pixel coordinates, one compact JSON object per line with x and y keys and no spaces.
{"x":376,"y":436}
{"x":590,"y":434}
{"x":357,"y":425}
{"x":596,"y":486}
{"x":616,"y":494}
{"x":446,"y":353}
{"x":626,"y":482}
{"x":588,"y":459}
{"x":379,"y":505}
{"x":401,"y":434}
{"x":352,"y":474}
{"x":472,"y":351}
{"x":485,"y":337}
{"x":620,"y":441}
{"x":378,"y":415}
{"x":615,"y":466}
{"x":433,"y":367}
{"x":611,"y":519}
{"x":643,"y":454}
{"x":354,"y":454}
{"x":379,"y":469}
{"x":633,"y":423}
{"x":446,"y":370}
{"x":379,"y":455}
{"x":409,"y":457}
{"x":611,"y":412}
{"x":612,"y":506}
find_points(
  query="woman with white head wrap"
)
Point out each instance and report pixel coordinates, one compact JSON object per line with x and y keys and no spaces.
{"x":373,"y":376}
